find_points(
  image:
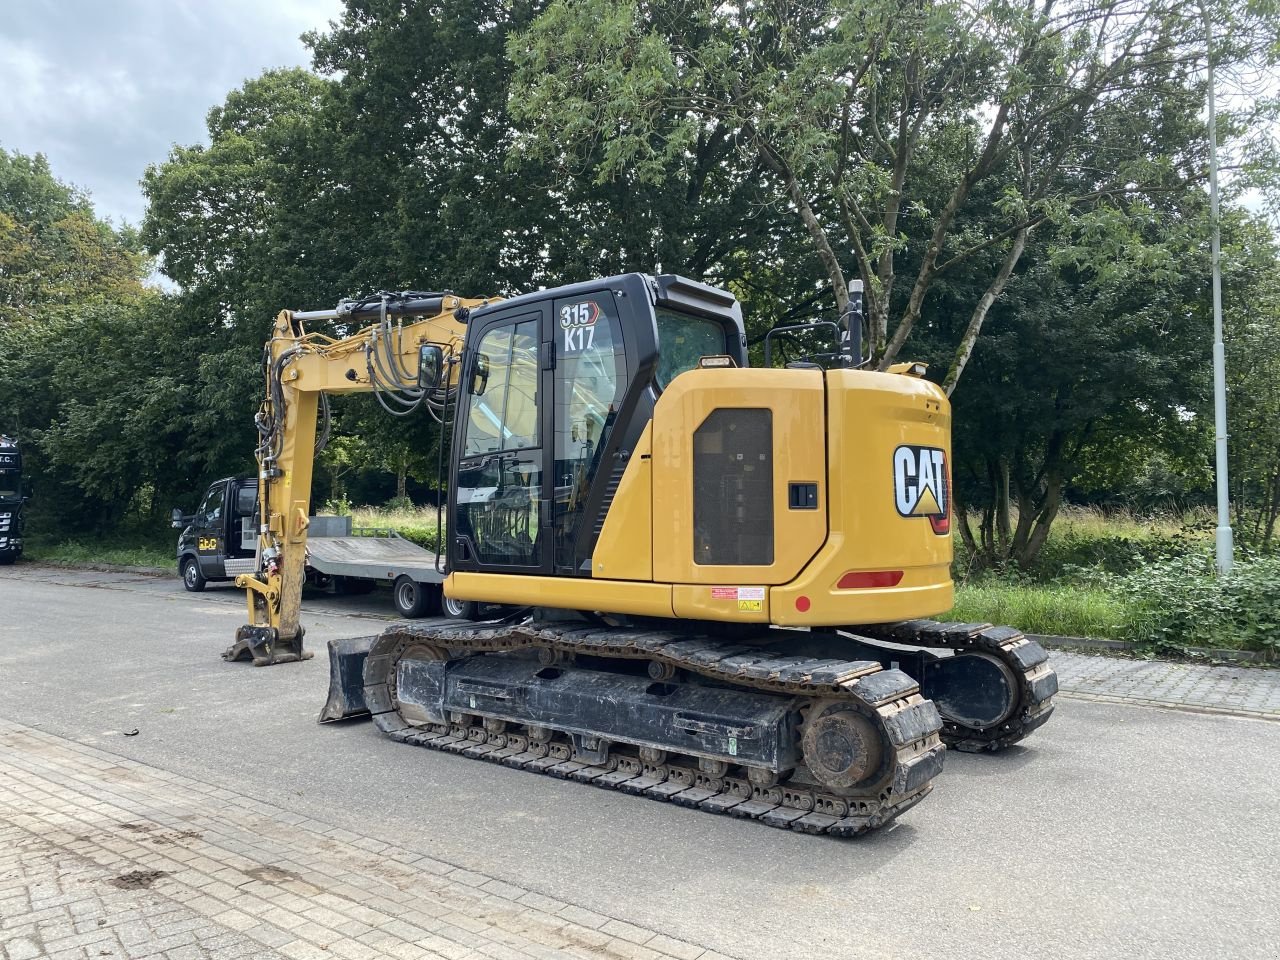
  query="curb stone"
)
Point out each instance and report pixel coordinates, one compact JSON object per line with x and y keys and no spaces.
{"x":1127,"y":646}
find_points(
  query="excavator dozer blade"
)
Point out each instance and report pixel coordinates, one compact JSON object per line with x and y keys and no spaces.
{"x":346,"y":679}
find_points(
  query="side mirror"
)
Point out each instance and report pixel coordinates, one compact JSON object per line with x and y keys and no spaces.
{"x":479,"y":374}
{"x":177,"y":517}
{"x":430,"y":366}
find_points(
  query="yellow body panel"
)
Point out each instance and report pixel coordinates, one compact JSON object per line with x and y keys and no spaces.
{"x":795,"y":398}
{"x":869,"y":416}
{"x":569,"y":593}
{"x":842,"y":431}
{"x":625,"y":548}
{"x":732,"y":604}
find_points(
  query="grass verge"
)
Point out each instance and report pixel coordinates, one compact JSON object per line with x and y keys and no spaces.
{"x":75,"y":551}
{"x":1068,"y":610}
{"x":417,"y":524}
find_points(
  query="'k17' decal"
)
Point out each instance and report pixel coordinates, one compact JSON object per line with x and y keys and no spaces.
{"x":578,"y":325}
{"x":921,"y":485}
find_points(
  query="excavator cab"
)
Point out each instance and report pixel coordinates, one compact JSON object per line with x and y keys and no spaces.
{"x":558,"y":390}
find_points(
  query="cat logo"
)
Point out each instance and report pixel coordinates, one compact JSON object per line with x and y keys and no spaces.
{"x":921,"y":485}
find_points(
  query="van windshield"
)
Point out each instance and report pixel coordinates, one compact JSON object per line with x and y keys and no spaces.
{"x":683,"y":341}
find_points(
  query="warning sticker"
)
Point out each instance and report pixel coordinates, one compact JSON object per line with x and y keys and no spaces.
{"x":724,"y":593}
{"x":751,"y":593}
{"x":750,"y":605}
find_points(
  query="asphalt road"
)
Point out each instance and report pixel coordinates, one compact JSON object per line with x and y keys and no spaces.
{"x":1116,"y":831}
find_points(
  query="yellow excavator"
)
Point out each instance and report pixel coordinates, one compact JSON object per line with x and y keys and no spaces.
{"x":708,"y":578}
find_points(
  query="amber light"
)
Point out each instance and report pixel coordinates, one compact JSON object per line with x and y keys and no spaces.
{"x":869,"y":578}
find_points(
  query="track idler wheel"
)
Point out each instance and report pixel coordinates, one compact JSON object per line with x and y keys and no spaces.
{"x":972,"y":689}
{"x":842,"y":748}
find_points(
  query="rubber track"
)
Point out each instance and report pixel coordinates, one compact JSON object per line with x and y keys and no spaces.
{"x":1026,"y":658}
{"x":910,"y":722}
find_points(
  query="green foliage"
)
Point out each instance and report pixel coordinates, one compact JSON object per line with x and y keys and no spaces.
{"x":1182,"y":602}
{"x":1020,"y":187}
{"x":114,"y":403}
{"x":944,"y":131}
{"x":54,"y":254}
{"x":238,"y":224}
{"x":413,"y":523}
{"x":1251,"y":283}
{"x":109,"y":389}
{"x":121,"y":552}
{"x":1149,"y":581}
{"x":1069,"y":610}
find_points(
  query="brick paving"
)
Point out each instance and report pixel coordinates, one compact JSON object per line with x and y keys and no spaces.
{"x":105,"y":857}
{"x":1219,"y":689}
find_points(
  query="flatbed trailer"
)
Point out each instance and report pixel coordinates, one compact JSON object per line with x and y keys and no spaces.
{"x":343,"y":554}
{"x":220,"y":541}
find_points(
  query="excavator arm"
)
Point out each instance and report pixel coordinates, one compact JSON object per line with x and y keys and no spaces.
{"x":409,"y":357}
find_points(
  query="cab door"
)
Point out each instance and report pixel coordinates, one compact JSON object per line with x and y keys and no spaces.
{"x":588,"y":383}
{"x":501,"y":489}
{"x":209,"y":528}
{"x":242,"y":531}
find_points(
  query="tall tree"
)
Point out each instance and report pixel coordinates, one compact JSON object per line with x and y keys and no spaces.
{"x":877,"y":121}
{"x":54,"y":253}
{"x":1251,"y":287}
{"x":238,"y":224}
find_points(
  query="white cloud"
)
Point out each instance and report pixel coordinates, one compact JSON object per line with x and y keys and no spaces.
{"x":104,"y":88}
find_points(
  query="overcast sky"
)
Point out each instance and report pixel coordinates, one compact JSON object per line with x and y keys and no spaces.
{"x":105,"y":87}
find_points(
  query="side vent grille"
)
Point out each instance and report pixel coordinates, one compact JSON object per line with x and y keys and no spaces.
{"x":733,"y":488}
{"x":610,"y":490}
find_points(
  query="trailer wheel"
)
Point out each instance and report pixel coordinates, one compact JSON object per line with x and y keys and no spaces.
{"x":460,"y":609}
{"x":413,"y":599}
{"x":192,"y":578}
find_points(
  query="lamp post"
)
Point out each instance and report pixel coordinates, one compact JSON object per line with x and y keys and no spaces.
{"x":1222,"y":536}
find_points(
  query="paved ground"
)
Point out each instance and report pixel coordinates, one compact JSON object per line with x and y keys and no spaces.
{"x":107,"y":857}
{"x":1241,"y":690}
{"x":1117,"y":829}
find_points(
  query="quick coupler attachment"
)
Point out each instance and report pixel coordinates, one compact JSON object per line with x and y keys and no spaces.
{"x":263,"y":646}
{"x":346,"y":679}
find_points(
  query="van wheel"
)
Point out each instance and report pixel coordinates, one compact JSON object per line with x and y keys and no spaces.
{"x":192,"y":578}
{"x":461,"y":609}
{"x":412,"y":599}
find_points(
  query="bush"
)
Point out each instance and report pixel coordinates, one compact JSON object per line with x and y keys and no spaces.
{"x":1181,"y":602}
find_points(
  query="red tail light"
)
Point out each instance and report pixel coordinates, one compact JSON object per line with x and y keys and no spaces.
{"x":941,"y":522}
{"x":857,"y":580}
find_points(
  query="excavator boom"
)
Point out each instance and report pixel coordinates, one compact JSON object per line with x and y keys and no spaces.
{"x":409,"y":357}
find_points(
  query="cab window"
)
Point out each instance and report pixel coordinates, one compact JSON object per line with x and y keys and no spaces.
{"x":590,"y":380}
{"x":503,"y":408}
{"x":247,"y":501}
{"x":683,"y":341}
{"x":211,"y":509}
